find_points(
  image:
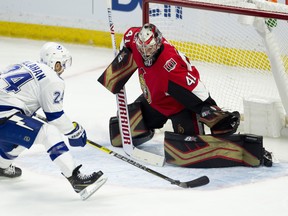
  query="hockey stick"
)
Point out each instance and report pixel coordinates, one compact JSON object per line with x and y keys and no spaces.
{"x":203,"y":180}
{"x":123,"y":116}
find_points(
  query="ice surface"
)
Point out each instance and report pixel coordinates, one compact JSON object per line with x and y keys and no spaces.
{"x":129,"y":191}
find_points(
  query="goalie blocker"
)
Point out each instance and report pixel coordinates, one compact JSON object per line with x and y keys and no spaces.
{"x":207,"y":151}
{"x":118,"y":72}
{"x":139,"y":131}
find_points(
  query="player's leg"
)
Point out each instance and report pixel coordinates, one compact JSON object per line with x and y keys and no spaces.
{"x":186,"y":122}
{"x":59,"y":153}
{"x":17,"y":134}
{"x":152,"y":118}
{"x":208,"y":151}
{"x":143,"y":120}
{"x":26,"y":131}
{"x":7,"y":157}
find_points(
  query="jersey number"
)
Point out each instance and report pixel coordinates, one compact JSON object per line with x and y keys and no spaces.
{"x":16,"y":81}
{"x":127,"y":37}
{"x":58,"y":97}
{"x":190,"y":79}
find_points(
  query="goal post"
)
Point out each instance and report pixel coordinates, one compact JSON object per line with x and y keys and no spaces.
{"x":240,"y":48}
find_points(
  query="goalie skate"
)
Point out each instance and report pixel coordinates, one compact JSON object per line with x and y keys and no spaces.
{"x":91,"y":189}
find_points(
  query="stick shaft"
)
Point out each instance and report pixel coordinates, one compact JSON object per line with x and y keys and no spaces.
{"x":193,"y":183}
{"x":203,"y":180}
{"x":123,"y":115}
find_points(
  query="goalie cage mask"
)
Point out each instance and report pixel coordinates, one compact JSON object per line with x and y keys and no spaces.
{"x":148,"y":41}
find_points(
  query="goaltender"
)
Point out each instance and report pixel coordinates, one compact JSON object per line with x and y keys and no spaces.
{"x":172,"y":89}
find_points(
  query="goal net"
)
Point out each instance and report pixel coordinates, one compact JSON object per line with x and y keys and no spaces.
{"x":240,"y":47}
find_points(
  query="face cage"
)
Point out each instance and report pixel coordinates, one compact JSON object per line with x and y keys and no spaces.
{"x":146,"y":50}
{"x":66,"y":63}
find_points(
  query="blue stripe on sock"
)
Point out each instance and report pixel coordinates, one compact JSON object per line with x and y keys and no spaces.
{"x":7,"y":156}
{"x":57,"y":150}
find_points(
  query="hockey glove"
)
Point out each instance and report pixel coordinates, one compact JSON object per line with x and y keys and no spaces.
{"x":77,"y":137}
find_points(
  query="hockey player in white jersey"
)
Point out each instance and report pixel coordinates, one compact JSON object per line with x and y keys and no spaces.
{"x":27,"y":87}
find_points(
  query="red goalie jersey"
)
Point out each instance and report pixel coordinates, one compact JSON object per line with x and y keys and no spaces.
{"x":168,"y":81}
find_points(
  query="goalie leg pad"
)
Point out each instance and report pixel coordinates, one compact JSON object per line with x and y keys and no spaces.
{"x":139,"y":132}
{"x":206,"y":151}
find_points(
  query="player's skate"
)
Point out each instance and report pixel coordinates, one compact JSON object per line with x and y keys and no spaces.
{"x":220,"y":122}
{"x":86,"y":185}
{"x":11,"y":172}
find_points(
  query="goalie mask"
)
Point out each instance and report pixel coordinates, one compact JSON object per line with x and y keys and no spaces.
{"x":55,"y":56}
{"x":148,"y":41}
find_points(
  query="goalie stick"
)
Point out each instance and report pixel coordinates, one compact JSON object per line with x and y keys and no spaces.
{"x":123,"y":116}
{"x":203,"y":180}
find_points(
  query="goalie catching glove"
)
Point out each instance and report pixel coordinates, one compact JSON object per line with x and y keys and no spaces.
{"x":77,"y":137}
{"x":220,"y":122}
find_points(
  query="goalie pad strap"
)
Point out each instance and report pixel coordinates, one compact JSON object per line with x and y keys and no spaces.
{"x":139,"y":131}
{"x":207,"y":151}
{"x":119,"y":71}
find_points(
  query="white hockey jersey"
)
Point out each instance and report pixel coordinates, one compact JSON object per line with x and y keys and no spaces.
{"x":28,"y":86}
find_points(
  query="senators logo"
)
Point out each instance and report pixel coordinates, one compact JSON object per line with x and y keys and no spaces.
{"x":144,"y":88}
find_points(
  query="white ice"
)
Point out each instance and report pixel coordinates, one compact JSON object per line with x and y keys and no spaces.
{"x":129,"y":191}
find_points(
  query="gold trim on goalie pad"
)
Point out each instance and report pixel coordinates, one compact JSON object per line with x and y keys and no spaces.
{"x":119,"y":71}
{"x":134,"y":119}
{"x":214,"y":148}
{"x":113,"y":77}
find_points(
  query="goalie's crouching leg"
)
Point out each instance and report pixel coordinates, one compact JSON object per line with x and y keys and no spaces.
{"x":206,"y":151}
{"x":139,"y":132}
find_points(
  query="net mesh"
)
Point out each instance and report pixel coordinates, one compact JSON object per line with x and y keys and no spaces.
{"x":226,"y":49}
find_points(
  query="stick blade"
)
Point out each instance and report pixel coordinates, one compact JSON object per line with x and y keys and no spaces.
{"x":148,"y":157}
{"x":203,"y":180}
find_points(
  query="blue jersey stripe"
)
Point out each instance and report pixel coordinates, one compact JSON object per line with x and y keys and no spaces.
{"x":54,"y":115}
{"x":4,"y":108}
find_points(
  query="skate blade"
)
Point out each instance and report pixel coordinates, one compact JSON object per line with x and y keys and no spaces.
{"x":91,"y":189}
